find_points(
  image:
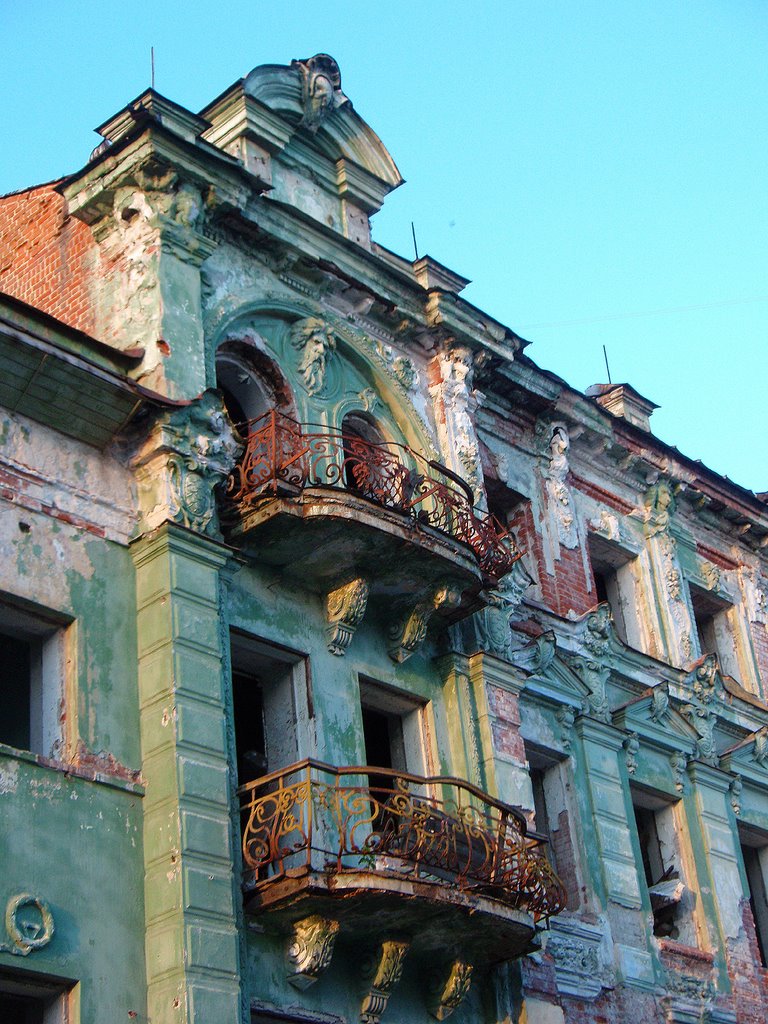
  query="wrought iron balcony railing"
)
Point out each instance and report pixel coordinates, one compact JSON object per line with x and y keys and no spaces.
{"x":283,"y":456}
{"x":314,"y":817}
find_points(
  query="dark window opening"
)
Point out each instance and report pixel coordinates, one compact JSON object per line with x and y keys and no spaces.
{"x":708,"y":613}
{"x":20,"y":1010}
{"x":654,"y":817}
{"x":503,"y":501}
{"x":384,"y":747}
{"x":612,"y":579}
{"x":543,"y":771}
{"x":266,"y":711}
{"x":366,"y":471}
{"x":16,"y":661}
{"x":755,"y":863}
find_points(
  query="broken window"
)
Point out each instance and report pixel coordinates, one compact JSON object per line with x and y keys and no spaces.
{"x":32,"y":660}
{"x":657,"y":832}
{"x":712,"y":618}
{"x":613,"y":574}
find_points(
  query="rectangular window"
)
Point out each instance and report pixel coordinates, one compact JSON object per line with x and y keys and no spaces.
{"x":271,"y":707}
{"x":657,"y":832}
{"x":393,"y":732}
{"x":32,"y":660}
{"x":613,"y":573}
{"x":712,"y":618}
{"x":754,"y":851}
{"x":25,"y":1000}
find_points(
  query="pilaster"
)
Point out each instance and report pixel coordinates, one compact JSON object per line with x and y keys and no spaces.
{"x":193,"y":968}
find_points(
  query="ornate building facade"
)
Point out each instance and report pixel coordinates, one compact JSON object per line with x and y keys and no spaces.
{"x":355,"y":667}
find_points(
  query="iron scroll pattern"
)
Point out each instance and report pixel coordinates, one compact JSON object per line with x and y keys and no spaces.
{"x":283,"y":456}
{"x":314,"y":817}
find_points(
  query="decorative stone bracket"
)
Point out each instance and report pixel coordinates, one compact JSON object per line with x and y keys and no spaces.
{"x":410,"y":628}
{"x":386,"y":970}
{"x":311,"y":949}
{"x":29,"y":924}
{"x":450,"y":992}
{"x":344,"y":610}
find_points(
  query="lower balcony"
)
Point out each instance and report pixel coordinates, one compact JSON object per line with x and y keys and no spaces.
{"x":328,"y":506}
{"x":434,"y":861}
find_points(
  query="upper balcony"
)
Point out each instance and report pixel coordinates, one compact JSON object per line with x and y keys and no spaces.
{"x":328,"y":505}
{"x":372,"y":849}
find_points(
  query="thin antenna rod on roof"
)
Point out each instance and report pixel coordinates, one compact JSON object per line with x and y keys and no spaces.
{"x":607,"y":368}
{"x":415,"y":247}
{"x":152,"y":58}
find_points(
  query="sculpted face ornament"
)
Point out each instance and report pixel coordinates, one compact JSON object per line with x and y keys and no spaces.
{"x":320,"y":88}
{"x":315,"y":341}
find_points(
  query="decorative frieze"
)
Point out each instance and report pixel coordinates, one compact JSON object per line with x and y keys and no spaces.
{"x":310,"y":949}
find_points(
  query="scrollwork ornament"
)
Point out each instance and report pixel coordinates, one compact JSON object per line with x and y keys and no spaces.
{"x":311,"y":949}
{"x":566,"y":716}
{"x":679,"y":764}
{"x":29,"y":924}
{"x":760,"y":751}
{"x":659,"y":709}
{"x":387,"y":970}
{"x":344,"y":609}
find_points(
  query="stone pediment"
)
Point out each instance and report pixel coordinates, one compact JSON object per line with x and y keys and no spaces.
{"x":749,"y":758}
{"x":653,"y":716}
{"x":548,"y":672}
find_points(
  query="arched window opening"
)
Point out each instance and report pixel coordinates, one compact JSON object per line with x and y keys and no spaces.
{"x":371,"y":467}
{"x":251,"y":385}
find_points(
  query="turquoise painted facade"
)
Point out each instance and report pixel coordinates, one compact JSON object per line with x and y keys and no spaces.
{"x":278,"y":503}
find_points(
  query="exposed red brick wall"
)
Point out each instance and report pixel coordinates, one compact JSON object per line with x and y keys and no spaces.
{"x":46,"y":256}
{"x":760,"y":640}
{"x":748,"y":977}
{"x":505,"y":708}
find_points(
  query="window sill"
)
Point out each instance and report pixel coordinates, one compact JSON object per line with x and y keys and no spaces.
{"x":91,"y":773}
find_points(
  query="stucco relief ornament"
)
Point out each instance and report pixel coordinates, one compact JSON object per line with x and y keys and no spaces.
{"x":316,"y":342}
{"x":459,"y":401}
{"x":28,"y":923}
{"x":409,"y":629}
{"x":386,"y":968}
{"x":711,"y":574}
{"x":489,"y":629}
{"x":659,"y":709}
{"x":320,"y":88}
{"x":566,"y":716}
{"x":450,"y":991}
{"x":735,"y":789}
{"x":706,"y":679}
{"x":344,"y":610}
{"x":204,"y":451}
{"x":595,"y":678}
{"x":561,"y":501}
{"x":537,"y":655}
{"x":599,"y":628}
{"x":703,"y":721}
{"x":679,"y":764}
{"x":660,"y":507}
{"x":311,"y":949}
{"x":631,"y":748}
{"x":760,"y":751}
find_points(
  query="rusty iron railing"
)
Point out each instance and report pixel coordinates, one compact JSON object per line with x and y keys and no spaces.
{"x":283,"y":456}
{"x":314,"y":817}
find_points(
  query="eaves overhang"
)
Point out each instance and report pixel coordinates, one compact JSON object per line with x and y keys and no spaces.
{"x":65,"y":379}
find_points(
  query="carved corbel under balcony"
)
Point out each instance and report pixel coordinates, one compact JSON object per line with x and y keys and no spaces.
{"x":451,"y":992}
{"x":344,"y":609}
{"x":311,"y":949}
{"x":387,"y":969}
{"x":410,"y":628}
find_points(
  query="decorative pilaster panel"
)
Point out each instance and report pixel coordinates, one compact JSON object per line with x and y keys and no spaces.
{"x":496,"y":689}
{"x":466,"y":759}
{"x":718,"y":853}
{"x":192,"y":938}
{"x":614,"y":856}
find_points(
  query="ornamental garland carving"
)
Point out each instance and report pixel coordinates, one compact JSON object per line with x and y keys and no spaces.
{"x":704,"y":722}
{"x":566,"y":716}
{"x":28,"y":924}
{"x":679,"y":764}
{"x":659,"y":709}
{"x":631,"y":749}
{"x":735,"y":789}
{"x":595,"y":678}
{"x":311,"y":949}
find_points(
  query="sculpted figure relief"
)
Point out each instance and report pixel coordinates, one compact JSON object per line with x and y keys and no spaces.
{"x":315,"y":341}
{"x":560,"y":498}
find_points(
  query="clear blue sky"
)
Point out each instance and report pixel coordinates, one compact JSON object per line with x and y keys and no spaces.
{"x":599,"y":168}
